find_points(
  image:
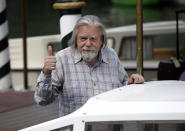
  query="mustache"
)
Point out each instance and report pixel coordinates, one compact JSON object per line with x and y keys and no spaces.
{"x":89,"y":48}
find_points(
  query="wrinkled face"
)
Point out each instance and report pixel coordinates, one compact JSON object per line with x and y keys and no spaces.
{"x":89,"y":42}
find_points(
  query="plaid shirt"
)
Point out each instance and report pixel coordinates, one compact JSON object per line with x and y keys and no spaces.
{"x":74,"y":81}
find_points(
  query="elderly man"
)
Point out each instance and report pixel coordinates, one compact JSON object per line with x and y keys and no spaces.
{"x":86,"y":68}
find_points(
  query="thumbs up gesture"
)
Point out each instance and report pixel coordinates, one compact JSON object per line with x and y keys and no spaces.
{"x":50,"y":62}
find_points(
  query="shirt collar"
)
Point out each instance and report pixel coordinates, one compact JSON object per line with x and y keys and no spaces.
{"x":103,"y":56}
{"x":77,"y":56}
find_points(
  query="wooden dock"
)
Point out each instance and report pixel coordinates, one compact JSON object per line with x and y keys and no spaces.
{"x":18,"y":110}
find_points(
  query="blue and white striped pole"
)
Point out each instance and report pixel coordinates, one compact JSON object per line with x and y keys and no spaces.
{"x":70,"y":12}
{"x":5,"y":74}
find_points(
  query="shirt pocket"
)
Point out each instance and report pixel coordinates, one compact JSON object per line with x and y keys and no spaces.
{"x":76,"y":93}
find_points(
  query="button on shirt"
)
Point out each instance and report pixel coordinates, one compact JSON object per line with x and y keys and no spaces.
{"x":74,"y":81}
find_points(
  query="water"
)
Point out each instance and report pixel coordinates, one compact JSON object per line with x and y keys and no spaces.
{"x":42,"y":19}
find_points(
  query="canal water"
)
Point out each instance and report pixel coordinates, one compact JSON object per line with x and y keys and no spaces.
{"x":42,"y":19}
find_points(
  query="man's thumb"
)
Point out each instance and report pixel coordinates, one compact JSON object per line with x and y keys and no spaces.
{"x":50,"y":50}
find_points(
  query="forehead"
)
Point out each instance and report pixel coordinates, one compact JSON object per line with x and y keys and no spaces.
{"x":89,"y":30}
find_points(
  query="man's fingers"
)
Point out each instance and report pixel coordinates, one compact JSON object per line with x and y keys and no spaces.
{"x":51,"y":68}
{"x":50,"y":50}
{"x":138,"y":78}
{"x":51,"y":59}
{"x":50,"y":62}
{"x":130,"y":80}
{"x":135,"y":78}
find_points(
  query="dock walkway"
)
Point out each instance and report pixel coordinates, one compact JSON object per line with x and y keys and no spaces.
{"x":18,"y":110}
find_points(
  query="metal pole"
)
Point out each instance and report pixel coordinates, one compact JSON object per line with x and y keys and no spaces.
{"x":24,"y":44}
{"x":70,"y":12}
{"x":139,"y":37}
{"x":177,"y":34}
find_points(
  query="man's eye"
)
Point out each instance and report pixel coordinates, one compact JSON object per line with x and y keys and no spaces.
{"x":93,"y":38}
{"x":83,"y":38}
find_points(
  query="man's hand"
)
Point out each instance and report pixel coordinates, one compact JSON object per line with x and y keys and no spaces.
{"x":135,"y":79}
{"x":50,"y":62}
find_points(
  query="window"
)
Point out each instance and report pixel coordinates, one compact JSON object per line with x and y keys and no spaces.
{"x":66,"y":128}
{"x":136,"y":126}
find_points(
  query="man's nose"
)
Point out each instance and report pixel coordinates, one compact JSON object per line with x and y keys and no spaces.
{"x":88,"y":42}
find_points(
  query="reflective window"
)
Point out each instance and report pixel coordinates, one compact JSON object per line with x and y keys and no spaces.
{"x":136,"y":126}
{"x":154,"y":47}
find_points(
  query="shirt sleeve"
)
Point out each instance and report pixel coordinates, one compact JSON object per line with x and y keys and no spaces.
{"x":44,"y":93}
{"x":123,"y":76}
{"x":47,"y":87}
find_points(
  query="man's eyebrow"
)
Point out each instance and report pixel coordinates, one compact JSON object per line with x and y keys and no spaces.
{"x":82,"y":35}
{"x":94,"y":36}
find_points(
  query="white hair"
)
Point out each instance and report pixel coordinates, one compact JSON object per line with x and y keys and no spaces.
{"x":89,"y":20}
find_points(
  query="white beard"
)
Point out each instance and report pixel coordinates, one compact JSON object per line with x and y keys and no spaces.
{"x":88,"y":57}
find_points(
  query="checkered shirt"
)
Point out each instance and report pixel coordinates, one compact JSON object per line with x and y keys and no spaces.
{"x":74,"y":81}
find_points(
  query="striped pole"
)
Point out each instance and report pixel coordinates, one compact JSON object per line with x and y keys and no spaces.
{"x":5,"y":74}
{"x":70,"y":12}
